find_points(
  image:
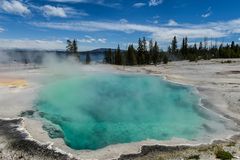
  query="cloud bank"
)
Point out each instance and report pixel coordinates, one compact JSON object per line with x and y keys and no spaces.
{"x":1,"y":29}
{"x":14,"y":7}
{"x":31,"y":44}
{"x":162,"y":32}
{"x":139,"y":5}
{"x":53,"y":11}
{"x":208,"y":13}
{"x":89,"y":39}
{"x":155,"y":2}
{"x":96,"y":2}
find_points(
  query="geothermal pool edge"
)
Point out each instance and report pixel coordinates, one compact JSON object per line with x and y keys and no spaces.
{"x":136,"y":153}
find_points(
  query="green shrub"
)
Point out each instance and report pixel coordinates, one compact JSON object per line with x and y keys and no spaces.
{"x":227,"y":61}
{"x":165,"y":59}
{"x":231,"y":144}
{"x":193,"y":58}
{"x":196,"y":157}
{"x":223,"y":155}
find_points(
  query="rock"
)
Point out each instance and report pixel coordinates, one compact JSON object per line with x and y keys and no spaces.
{"x":53,"y":131}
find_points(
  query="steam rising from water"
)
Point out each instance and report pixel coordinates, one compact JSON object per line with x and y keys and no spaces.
{"x":97,"y":109}
{"x":94,"y":106}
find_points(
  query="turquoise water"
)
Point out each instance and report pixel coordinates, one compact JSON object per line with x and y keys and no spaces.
{"x":97,"y":110}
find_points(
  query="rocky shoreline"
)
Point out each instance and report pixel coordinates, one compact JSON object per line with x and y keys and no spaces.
{"x":204,"y":151}
{"x":15,"y":144}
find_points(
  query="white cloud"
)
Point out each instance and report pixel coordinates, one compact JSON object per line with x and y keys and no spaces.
{"x":31,"y":44}
{"x":162,"y":32}
{"x":102,"y":40}
{"x":71,"y":1}
{"x":172,"y":22}
{"x":123,"y":20}
{"x":14,"y":7}
{"x":156,"y":17}
{"x":155,"y":20}
{"x":56,"y":11}
{"x":208,"y":13}
{"x":72,"y":12}
{"x":1,"y":29}
{"x":89,"y":39}
{"x":97,"y":2}
{"x":95,"y":26}
{"x":139,"y":5}
{"x":49,"y":11}
{"x":155,"y":2}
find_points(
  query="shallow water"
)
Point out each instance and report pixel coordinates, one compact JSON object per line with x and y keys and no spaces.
{"x":97,"y":110}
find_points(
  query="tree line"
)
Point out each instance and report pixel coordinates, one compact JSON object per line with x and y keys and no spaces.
{"x":152,"y":54}
{"x":149,"y":52}
{"x":203,"y":50}
{"x":143,"y":55}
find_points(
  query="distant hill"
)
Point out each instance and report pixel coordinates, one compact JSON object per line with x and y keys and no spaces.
{"x":99,"y":51}
{"x":97,"y":55}
{"x":36,"y":56}
{"x":96,"y":51}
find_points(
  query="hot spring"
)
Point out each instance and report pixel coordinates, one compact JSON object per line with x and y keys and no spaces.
{"x":101,"y":109}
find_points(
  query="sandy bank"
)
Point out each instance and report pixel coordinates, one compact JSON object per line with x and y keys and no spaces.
{"x":14,"y":83}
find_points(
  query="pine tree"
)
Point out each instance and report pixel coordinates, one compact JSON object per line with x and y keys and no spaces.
{"x":220,"y":50}
{"x":174,"y":46}
{"x":165,"y":59}
{"x":127,"y":56}
{"x":118,"y":56}
{"x":72,"y":49}
{"x":131,"y":56}
{"x":169,"y":50}
{"x":195,"y":50}
{"x":145,"y":55}
{"x":88,"y":58}
{"x":184,"y":48}
{"x":200,"y":46}
{"x":205,"y":43}
{"x":140,"y":51}
{"x":233,"y":45}
{"x":69,"y":48}
{"x":75,"y":50}
{"x":155,"y":54}
{"x":144,"y":43}
{"x":108,"y":57}
{"x":150,"y":52}
{"x":74,"y":46}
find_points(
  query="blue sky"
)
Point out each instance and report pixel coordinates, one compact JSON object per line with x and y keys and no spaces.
{"x":47,"y":24}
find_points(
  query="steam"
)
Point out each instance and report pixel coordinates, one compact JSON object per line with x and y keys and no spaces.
{"x":107,"y":109}
{"x":67,"y":65}
{"x":4,"y":58}
{"x":52,"y":62}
